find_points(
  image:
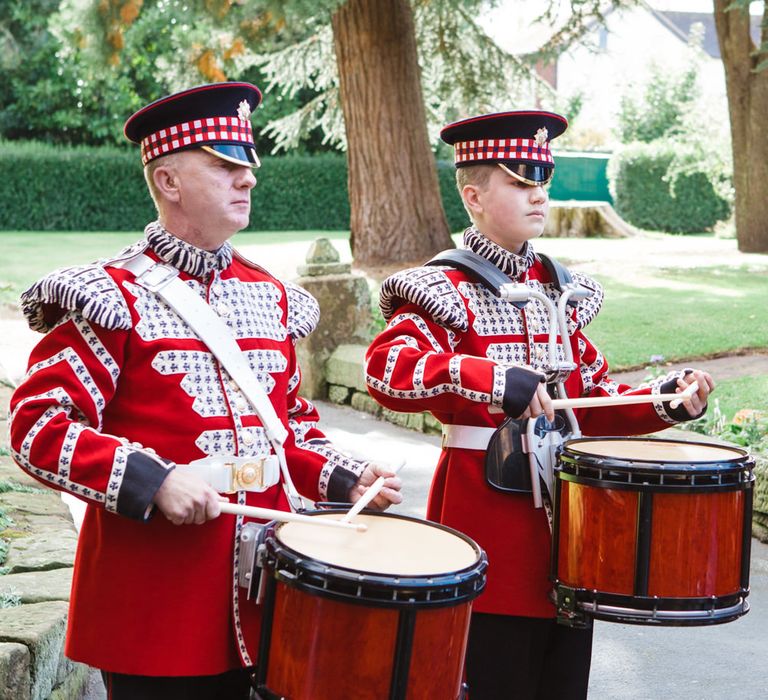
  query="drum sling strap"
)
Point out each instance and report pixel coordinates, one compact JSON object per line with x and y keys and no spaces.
{"x":163,"y":280}
{"x":491,"y":277}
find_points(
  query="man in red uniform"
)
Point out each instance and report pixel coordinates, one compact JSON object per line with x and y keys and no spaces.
{"x":472,"y":359}
{"x":121,"y":395}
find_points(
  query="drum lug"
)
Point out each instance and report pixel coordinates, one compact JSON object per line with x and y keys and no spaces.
{"x":568,"y":611}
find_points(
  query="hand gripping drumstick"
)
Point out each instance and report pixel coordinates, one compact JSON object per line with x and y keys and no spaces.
{"x":369,"y":495}
{"x":674,"y":399}
{"x":270,"y":514}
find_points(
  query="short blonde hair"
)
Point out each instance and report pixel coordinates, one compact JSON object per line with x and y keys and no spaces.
{"x":149,"y":171}
{"x":477,"y":175}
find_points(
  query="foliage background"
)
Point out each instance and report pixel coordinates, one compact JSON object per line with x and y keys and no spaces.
{"x":673,"y":172}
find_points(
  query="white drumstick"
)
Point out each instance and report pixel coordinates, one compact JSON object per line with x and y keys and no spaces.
{"x":285,"y":516}
{"x":595,"y":401}
{"x":369,"y":495}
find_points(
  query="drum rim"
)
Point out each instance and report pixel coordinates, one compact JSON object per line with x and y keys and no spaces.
{"x":740,"y":461}
{"x":467,"y":582}
{"x":635,"y":609}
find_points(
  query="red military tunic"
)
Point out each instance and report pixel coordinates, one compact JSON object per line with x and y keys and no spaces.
{"x":447,"y":348}
{"x":119,"y":386}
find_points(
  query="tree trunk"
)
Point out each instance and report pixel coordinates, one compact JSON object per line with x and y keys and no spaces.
{"x":748,"y":106}
{"x":396,"y":211}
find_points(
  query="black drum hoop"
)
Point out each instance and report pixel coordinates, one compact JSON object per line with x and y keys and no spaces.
{"x":370,"y":589}
{"x":611,"y":472}
{"x":650,"y":610}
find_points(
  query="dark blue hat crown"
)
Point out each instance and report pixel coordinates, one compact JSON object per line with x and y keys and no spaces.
{"x":216,"y":117}
{"x":519,"y":141}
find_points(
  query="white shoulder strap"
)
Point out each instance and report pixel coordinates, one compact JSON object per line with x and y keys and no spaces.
{"x":164,"y":281}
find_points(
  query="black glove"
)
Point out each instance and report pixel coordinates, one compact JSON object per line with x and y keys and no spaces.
{"x":519,"y":388}
{"x":680,"y":413}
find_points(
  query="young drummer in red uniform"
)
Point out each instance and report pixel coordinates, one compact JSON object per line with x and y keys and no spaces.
{"x":121,"y":394}
{"x":453,"y":348}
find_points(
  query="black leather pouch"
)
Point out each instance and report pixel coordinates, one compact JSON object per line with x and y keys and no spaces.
{"x":506,"y":465}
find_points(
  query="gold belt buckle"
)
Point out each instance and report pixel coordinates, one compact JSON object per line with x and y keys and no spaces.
{"x":248,"y":474}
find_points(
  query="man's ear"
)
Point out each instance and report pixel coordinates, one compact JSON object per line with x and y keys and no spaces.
{"x":471,"y":196}
{"x":166,"y":182}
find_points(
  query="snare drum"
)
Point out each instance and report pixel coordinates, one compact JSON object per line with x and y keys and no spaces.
{"x":651,"y":531}
{"x":379,"y":614}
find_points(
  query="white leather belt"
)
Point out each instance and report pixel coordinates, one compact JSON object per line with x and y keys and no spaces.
{"x":229,"y":474}
{"x":467,"y":437}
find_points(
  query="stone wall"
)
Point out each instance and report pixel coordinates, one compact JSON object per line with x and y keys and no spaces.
{"x":345,"y":313}
{"x":37,"y":531}
{"x":346,"y":385}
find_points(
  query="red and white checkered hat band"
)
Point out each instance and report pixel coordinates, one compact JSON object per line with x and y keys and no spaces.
{"x":197,"y":132}
{"x":502,"y":149}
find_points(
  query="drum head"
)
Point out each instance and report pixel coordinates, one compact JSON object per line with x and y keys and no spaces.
{"x":392,"y":546}
{"x":641,"y":450}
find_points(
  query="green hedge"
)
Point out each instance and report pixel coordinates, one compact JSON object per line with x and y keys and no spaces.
{"x":665,"y":186}
{"x":66,"y":189}
{"x":49,"y":188}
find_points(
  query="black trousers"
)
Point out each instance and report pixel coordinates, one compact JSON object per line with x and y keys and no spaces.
{"x":527,"y":658}
{"x":233,"y":685}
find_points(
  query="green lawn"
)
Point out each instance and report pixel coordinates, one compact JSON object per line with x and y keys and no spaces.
{"x":682,"y":314}
{"x":743,"y":392}
{"x":676,"y":313}
{"x":28,"y":255}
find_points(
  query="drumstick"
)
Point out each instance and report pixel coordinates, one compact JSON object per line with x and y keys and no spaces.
{"x":369,"y":495}
{"x":270,"y":514}
{"x":674,"y":399}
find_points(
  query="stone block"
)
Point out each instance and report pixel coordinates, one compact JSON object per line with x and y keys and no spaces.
{"x":400,"y":419}
{"x":322,"y":252}
{"x":338,"y":394}
{"x":312,"y":363}
{"x":345,"y":367}
{"x":345,"y":317}
{"x":43,"y":551}
{"x":46,"y":503}
{"x":345,"y":309}
{"x":73,"y":685}
{"x":415,"y":422}
{"x":321,"y":269}
{"x":14,"y":671}
{"x":9,"y":471}
{"x":431,"y":424}
{"x":40,"y":627}
{"x":38,"y":586}
{"x":365,"y":403}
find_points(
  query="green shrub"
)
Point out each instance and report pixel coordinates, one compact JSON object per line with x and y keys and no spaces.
{"x":667,"y":186}
{"x":458,"y":219}
{"x":85,"y":188}
{"x":295,"y":193}
{"x":51,"y":188}
{"x":48,"y":188}
{"x":660,"y":107}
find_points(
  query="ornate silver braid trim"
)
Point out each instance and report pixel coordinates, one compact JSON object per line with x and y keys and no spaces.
{"x":303,"y":311}
{"x":85,"y":288}
{"x":430,"y":289}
